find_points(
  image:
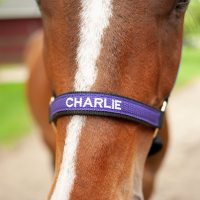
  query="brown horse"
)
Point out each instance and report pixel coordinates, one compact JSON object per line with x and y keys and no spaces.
{"x":129,"y":48}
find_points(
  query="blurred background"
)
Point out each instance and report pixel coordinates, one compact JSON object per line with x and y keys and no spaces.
{"x":25,"y":165}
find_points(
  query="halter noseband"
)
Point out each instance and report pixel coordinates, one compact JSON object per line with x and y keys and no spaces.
{"x":107,"y":105}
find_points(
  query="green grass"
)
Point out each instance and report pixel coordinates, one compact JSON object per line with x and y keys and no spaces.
{"x":1,"y":1}
{"x":14,"y":117}
{"x":192,"y":19}
{"x":190,"y":66}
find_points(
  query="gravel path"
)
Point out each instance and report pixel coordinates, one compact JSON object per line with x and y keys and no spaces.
{"x":179,"y":178}
{"x":25,"y":172}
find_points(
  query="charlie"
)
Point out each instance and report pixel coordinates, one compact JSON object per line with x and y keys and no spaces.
{"x":74,"y":102}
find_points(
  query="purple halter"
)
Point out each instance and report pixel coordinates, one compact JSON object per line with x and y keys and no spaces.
{"x":102,"y":104}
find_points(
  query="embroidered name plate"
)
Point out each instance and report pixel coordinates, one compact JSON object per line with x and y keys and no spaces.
{"x":101,"y":104}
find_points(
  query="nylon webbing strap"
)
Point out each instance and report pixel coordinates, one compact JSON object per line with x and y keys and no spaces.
{"x":102,"y":104}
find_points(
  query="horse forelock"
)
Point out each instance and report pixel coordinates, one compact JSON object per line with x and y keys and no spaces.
{"x":94,"y":19}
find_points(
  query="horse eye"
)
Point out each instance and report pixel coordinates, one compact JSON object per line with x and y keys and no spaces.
{"x":182,"y":4}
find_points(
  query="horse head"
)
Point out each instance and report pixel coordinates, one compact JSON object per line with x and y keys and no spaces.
{"x":123,"y":47}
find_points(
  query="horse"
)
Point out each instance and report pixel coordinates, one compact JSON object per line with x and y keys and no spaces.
{"x":131,"y":49}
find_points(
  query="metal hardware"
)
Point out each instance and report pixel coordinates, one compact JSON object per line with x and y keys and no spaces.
{"x":51,"y":100}
{"x":164,"y":106}
{"x":52,"y":123}
{"x":156,"y":133}
{"x":163,"y":109}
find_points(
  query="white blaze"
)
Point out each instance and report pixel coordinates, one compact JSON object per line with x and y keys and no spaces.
{"x":95,"y":15}
{"x":94,"y":19}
